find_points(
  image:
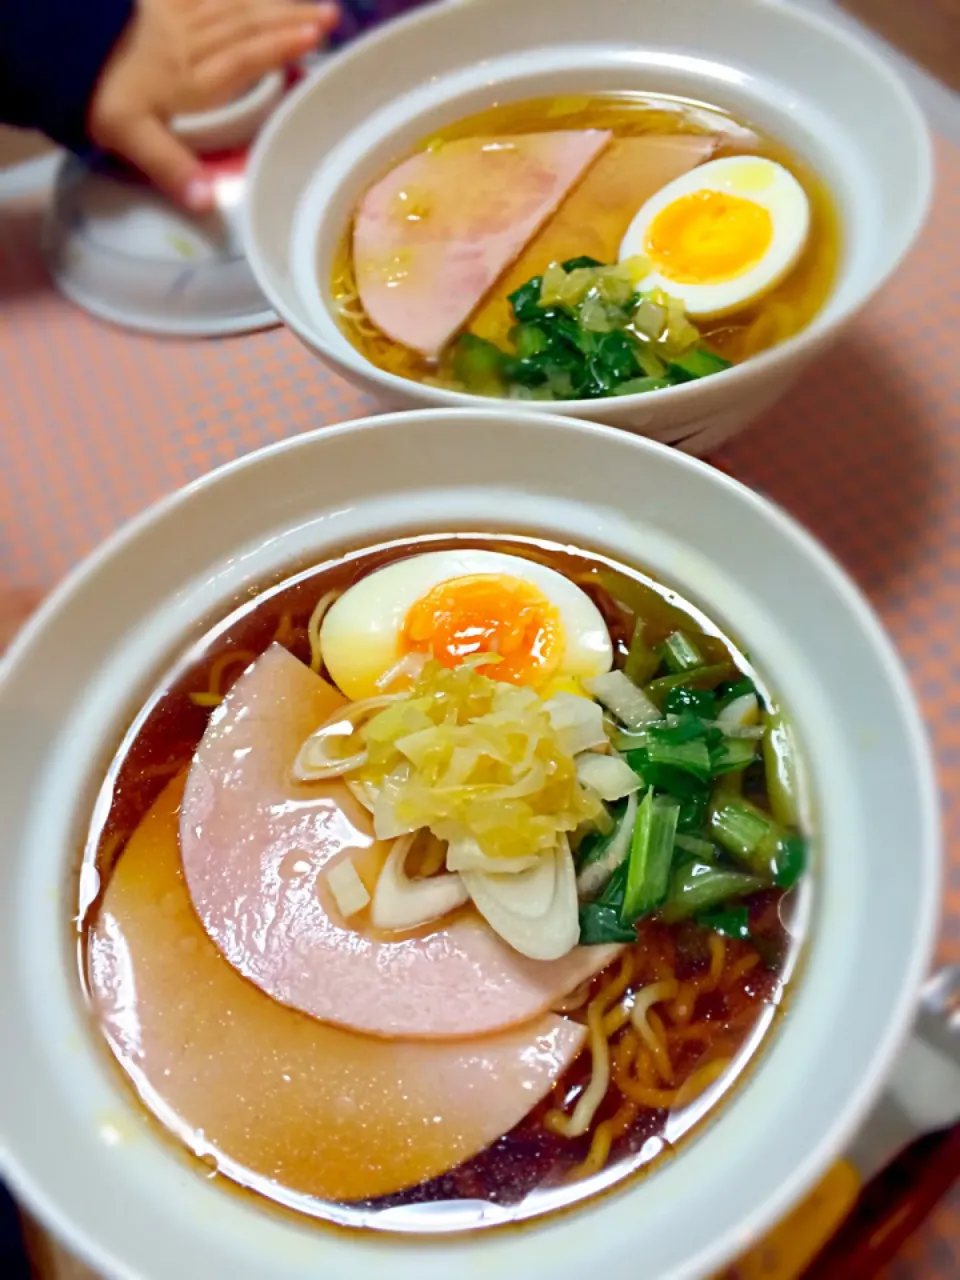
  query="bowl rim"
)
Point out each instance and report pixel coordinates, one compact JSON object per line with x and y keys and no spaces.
{"x":900,"y":1013}
{"x":798,"y":348}
{"x":245,"y":113}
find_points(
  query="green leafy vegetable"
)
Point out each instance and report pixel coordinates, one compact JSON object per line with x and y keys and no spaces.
{"x":479,"y":365}
{"x":732,"y":922}
{"x":678,"y":782}
{"x":525,"y":301}
{"x":733,"y":689}
{"x":702,"y":678}
{"x":702,"y":702}
{"x":691,"y":757}
{"x":693,"y":811}
{"x":573,"y":264}
{"x":582,"y":332}
{"x":791,"y":860}
{"x":600,"y":925}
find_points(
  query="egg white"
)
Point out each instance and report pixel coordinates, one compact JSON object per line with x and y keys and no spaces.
{"x":754,"y":178}
{"x":361,"y":634}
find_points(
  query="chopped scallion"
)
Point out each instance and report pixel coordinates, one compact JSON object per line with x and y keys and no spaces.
{"x":759,"y":842}
{"x":651,"y":855}
{"x":701,"y":886}
{"x":731,"y":755}
{"x":700,"y":678}
{"x":701,"y":849}
{"x":642,"y":662}
{"x":742,"y":830}
{"x":680,"y":783}
{"x":692,"y":756}
{"x":698,"y":363}
{"x":732,"y":922}
{"x":780,"y":766}
{"x":680,"y":653}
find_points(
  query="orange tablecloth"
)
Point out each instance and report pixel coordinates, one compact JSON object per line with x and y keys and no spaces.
{"x":95,"y":424}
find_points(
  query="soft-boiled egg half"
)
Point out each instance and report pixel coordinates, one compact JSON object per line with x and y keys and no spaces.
{"x":451,"y":604}
{"x":722,"y":235}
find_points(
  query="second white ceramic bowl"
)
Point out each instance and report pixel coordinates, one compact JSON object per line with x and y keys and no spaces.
{"x":805,"y":81}
{"x":73,"y":1142}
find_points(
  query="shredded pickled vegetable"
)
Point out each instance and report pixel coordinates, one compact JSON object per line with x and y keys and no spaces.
{"x":466,"y":756}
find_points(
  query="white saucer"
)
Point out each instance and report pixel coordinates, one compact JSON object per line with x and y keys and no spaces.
{"x":120,"y":250}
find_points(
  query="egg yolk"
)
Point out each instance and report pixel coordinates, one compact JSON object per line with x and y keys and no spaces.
{"x":488,"y":613}
{"x":707,"y":237}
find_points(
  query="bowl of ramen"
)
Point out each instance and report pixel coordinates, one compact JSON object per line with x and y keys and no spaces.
{"x":602,"y":207}
{"x":430,"y":868}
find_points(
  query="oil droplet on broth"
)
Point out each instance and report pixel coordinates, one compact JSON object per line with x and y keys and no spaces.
{"x":293,"y":865}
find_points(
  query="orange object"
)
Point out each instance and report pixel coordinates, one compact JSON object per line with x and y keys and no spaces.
{"x":595,"y":216}
{"x":708,"y":236}
{"x":488,"y":613}
{"x":787,"y":1251}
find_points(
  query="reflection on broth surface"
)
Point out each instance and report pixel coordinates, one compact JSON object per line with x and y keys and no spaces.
{"x":457,"y":288}
{"x":229,"y":968}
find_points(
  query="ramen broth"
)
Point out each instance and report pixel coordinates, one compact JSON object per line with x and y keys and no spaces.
{"x":257,"y":1089}
{"x":593,"y":218}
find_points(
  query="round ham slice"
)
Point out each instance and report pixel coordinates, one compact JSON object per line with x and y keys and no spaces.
{"x":433,"y":236}
{"x":256,"y":848}
{"x":282,"y":1103}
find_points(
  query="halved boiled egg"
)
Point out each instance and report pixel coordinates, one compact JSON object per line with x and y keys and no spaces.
{"x":451,"y":604}
{"x":721,"y":235}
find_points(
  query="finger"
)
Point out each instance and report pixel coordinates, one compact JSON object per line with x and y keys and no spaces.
{"x":149,"y":145}
{"x":233,"y":71}
{"x":261,"y":20}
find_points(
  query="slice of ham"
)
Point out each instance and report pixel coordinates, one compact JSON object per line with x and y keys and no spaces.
{"x":432,"y":237}
{"x":594,"y":217}
{"x":284,"y":1103}
{"x":256,"y":848}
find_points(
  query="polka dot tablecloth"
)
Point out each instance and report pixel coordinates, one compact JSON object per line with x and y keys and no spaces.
{"x":95,"y":424}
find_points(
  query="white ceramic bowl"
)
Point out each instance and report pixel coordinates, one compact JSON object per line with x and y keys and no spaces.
{"x":235,"y":123}
{"x":74,"y":1144}
{"x":809,"y":83}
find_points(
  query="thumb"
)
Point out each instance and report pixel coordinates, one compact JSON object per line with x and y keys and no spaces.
{"x":147,"y":143}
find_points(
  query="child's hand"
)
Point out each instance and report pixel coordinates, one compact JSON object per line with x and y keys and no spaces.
{"x":179,"y":56}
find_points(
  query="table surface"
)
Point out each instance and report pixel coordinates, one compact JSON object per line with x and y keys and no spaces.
{"x":95,"y":424}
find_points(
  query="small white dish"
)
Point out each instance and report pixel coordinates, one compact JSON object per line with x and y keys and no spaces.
{"x":73,"y":1142}
{"x":237,"y":123}
{"x":808,"y":82}
{"x":119,"y":249}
